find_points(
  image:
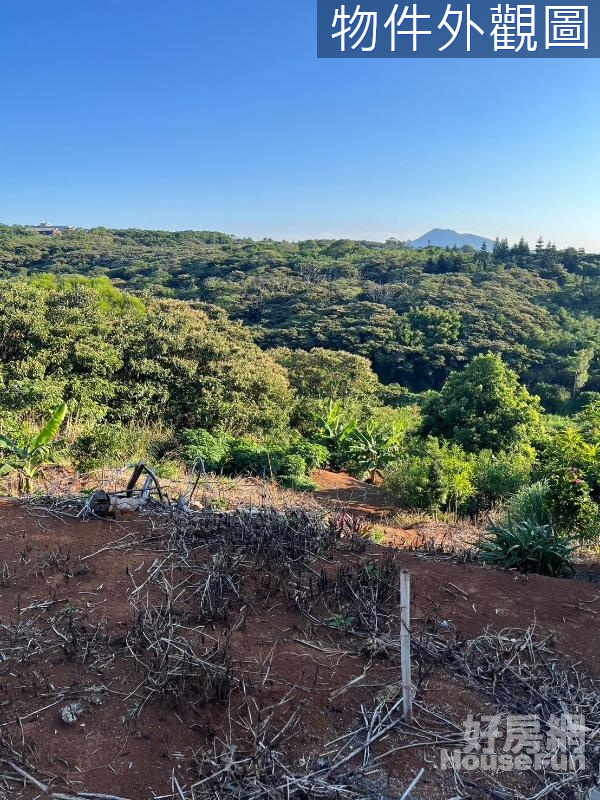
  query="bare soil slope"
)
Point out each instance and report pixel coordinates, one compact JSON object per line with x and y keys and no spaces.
{"x":261,"y":655}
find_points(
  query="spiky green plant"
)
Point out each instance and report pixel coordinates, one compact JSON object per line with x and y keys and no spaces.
{"x":528,"y":547}
{"x":530,"y":504}
{"x":27,"y":460}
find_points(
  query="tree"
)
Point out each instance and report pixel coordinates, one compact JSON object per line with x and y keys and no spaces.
{"x":570,"y":259}
{"x":483,"y":407}
{"x":579,"y":367}
{"x":190,"y":366}
{"x":501,"y":250}
{"x":520,"y":251}
{"x":435,"y":324}
{"x":169,"y":361}
{"x":320,"y":374}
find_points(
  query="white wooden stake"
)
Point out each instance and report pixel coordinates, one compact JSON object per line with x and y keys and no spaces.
{"x":405,"y":646}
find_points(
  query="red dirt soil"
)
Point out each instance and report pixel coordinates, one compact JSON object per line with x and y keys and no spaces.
{"x":55,"y":564}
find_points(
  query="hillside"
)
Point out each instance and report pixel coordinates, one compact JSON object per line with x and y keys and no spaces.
{"x":417,"y":314}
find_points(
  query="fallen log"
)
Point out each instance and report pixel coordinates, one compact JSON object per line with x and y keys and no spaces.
{"x":103,"y":504}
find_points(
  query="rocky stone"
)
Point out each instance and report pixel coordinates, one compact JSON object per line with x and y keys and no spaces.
{"x":71,"y":713}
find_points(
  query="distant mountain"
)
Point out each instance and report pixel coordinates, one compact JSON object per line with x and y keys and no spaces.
{"x":443,"y":237}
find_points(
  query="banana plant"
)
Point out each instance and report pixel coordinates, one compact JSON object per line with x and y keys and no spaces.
{"x":362,"y":448}
{"x":336,"y":433}
{"x":375,"y":446}
{"x":29,"y":459}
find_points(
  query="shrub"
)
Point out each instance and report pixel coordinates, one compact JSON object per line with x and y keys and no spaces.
{"x":249,"y":457}
{"x":245,"y":456}
{"x":588,"y":420}
{"x":555,"y":399}
{"x":438,"y":476}
{"x":104,"y":445}
{"x":169,"y":470}
{"x":569,"y":448}
{"x":586,"y":400}
{"x":315,"y":455}
{"x":110,"y":445}
{"x":291,"y":464}
{"x":528,"y":547}
{"x":211,"y":448}
{"x":496,"y":477}
{"x":299,"y":483}
{"x":414,"y":483}
{"x":572,"y":508}
{"x":11,"y":428}
{"x":571,"y":467}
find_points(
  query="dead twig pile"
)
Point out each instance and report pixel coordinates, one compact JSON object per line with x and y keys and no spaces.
{"x":172,"y":664}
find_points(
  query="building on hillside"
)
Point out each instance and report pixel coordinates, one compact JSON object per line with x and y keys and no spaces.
{"x":46,"y":229}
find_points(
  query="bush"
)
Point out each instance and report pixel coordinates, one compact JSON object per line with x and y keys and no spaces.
{"x":555,"y":398}
{"x":571,"y":467}
{"x":270,"y":461}
{"x":438,"y":476}
{"x":586,"y":400}
{"x":568,"y":448}
{"x":103,"y":446}
{"x":198,"y":444}
{"x":291,"y":465}
{"x":299,"y":483}
{"x":245,"y":456}
{"x":414,"y":483}
{"x":169,"y":470}
{"x":588,"y":420}
{"x":12,"y":428}
{"x":571,"y":506}
{"x":249,"y":457}
{"x":496,"y":477}
{"x":315,"y":455}
{"x":528,"y":547}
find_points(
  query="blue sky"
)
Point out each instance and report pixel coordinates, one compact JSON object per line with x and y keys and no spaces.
{"x":218,"y":115}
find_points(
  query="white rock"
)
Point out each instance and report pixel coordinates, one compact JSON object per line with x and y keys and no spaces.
{"x":71,"y":713}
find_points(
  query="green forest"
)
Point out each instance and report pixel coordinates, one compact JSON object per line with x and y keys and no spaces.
{"x":464,"y":380}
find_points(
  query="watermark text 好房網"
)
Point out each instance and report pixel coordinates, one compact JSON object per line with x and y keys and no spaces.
{"x":456,"y":29}
{"x":519,"y":743}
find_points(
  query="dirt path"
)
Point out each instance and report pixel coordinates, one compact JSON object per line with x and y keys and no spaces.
{"x":340,"y":490}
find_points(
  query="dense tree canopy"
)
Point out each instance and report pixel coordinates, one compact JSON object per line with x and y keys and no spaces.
{"x":121,"y":359}
{"x":276,"y":357}
{"x":328,"y":374}
{"x":417,"y":315}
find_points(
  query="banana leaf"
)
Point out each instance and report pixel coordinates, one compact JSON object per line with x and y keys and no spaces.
{"x":51,"y":428}
{"x":8,"y":444}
